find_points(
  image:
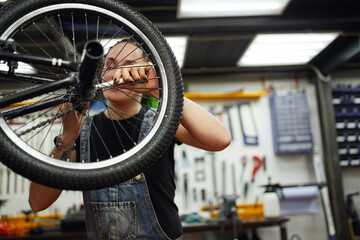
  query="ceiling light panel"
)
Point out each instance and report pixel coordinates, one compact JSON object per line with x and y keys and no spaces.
{"x":178,"y":45}
{"x":230,"y":8}
{"x":285,"y":49}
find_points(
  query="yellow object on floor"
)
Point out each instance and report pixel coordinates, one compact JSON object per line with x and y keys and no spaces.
{"x":21,"y":225}
{"x":244,"y":211}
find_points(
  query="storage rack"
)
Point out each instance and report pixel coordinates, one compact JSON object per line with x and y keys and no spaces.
{"x":346,"y":103}
{"x":290,"y":120}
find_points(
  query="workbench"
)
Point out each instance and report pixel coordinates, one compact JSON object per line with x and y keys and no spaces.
{"x":192,"y":231}
{"x":197,"y":230}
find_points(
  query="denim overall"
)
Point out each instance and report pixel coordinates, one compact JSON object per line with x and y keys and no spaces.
{"x":124,"y":211}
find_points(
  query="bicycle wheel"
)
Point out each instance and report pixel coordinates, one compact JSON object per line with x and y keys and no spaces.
{"x":59,"y":29}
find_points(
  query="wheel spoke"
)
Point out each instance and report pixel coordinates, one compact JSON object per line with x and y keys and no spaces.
{"x":107,"y":28}
{"x":101,"y":139}
{"x":97,"y":28}
{"x":48,"y":70}
{"x":47,"y":38}
{"x":73,"y":35}
{"x":87,"y":28}
{"x":113,"y":36}
{"x":26,"y":124}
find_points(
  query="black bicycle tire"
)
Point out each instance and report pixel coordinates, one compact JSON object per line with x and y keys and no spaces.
{"x":28,"y":166}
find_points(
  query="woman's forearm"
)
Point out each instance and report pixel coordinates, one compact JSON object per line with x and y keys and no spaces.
{"x":200,"y":129}
{"x":41,"y":197}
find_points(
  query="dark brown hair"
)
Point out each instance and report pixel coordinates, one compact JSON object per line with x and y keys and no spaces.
{"x":132,"y":41}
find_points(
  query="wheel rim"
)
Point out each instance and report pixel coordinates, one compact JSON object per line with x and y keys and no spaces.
{"x":160,"y":69}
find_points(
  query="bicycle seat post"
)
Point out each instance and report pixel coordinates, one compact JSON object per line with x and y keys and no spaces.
{"x":90,"y":68}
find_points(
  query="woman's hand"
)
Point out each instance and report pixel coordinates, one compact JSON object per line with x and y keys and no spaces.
{"x":140,"y":79}
{"x":72,"y":122}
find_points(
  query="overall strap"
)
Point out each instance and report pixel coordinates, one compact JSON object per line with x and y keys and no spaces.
{"x":85,"y":140}
{"x":147,"y":123}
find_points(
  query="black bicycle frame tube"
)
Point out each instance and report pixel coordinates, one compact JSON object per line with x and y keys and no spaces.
{"x":90,"y":65}
{"x":36,"y":91}
{"x":92,"y":60}
{"x":24,"y":78}
{"x":34,"y":107}
{"x":52,"y":62}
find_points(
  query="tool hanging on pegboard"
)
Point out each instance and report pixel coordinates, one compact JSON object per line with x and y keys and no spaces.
{"x":213,"y":170}
{"x":290,"y":120}
{"x":228,"y":113}
{"x":249,"y":132}
{"x":258,"y":162}
{"x":243,"y":187}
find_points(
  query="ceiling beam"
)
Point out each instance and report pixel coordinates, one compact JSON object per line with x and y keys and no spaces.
{"x":342,"y":55}
{"x":211,"y":70}
{"x":254,"y":25}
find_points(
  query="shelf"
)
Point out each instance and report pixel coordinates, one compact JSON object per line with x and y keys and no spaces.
{"x":225,"y":96}
{"x":346,"y":103}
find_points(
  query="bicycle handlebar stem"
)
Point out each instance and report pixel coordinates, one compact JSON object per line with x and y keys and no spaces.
{"x":90,"y":68}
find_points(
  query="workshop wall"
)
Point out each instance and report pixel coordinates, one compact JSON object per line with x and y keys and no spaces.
{"x":14,"y":189}
{"x":194,"y":168}
{"x":196,"y":185}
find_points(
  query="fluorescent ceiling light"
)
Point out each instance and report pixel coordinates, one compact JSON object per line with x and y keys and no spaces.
{"x":285,"y":49}
{"x":230,"y":8}
{"x":178,"y":45}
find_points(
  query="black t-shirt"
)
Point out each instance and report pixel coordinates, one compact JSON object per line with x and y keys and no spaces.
{"x":160,"y":177}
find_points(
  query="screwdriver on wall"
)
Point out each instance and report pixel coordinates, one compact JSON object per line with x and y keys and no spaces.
{"x":245,"y":187}
{"x":243,"y":163}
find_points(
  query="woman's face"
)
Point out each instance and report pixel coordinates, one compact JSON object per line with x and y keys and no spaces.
{"x":120,"y":56}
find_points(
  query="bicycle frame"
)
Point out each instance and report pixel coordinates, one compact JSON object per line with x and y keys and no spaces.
{"x":60,"y":29}
{"x":91,"y":61}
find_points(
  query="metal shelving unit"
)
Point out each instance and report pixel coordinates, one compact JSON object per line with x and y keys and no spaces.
{"x":346,"y":103}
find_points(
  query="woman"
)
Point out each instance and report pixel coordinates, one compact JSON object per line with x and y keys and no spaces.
{"x":143,"y":207}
